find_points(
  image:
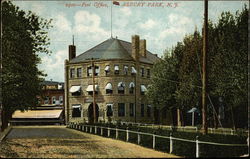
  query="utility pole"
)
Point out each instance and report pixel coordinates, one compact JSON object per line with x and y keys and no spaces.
{"x":93,"y":81}
{"x":204,"y":69}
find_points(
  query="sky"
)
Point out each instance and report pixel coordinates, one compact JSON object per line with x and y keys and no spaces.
{"x":162,"y":24}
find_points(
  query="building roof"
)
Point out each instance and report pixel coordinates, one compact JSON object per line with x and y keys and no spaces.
{"x":51,"y":83}
{"x":112,"y":49}
{"x":37,"y":114}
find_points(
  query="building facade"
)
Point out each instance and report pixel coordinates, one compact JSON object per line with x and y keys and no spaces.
{"x":52,"y":93}
{"x":122,"y":72}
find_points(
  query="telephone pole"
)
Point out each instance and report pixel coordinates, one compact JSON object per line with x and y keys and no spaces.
{"x":93,"y":81}
{"x":204,"y":69}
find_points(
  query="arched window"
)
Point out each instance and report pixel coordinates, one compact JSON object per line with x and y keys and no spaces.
{"x":108,"y":88}
{"x":131,"y":87}
{"x":121,"y":88}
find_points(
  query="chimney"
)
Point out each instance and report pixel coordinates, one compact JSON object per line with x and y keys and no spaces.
{"x":72,"y":51}
{"x":135,"y":47}
{"x":143,"y":50}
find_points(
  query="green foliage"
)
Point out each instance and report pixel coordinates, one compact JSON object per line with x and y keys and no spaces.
{"x":180,"y":148}
{"x":24,"y":37}
{"x":176,"y":80}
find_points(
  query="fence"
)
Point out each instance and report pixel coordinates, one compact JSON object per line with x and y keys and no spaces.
{"x":226,"y":131}
{"x":128,"y":133}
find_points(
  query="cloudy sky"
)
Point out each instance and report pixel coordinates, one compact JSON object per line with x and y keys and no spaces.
{"x":162,"y":26}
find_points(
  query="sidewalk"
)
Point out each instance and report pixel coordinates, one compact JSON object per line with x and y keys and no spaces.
{"x":5,"y":133}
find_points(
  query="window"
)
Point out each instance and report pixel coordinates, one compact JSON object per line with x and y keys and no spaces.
{"x":72,"y":73}
{"x":107,"y":70}
{"x":148,"y":73}
{"x":109,"y":89}
{"x":131,"y":109}
{"x":79,"y":72}
{"x":77,"y":93}
{"x":109,"y":109}
{"x":125,"y":70}
{"x":61,"y":100}
{"x":131,"y":88}
{"x":76,"y":110}
{"x":142,"y":72}
{"x":121,"y":88}
{"x":149,"y":110}
{"x":90,"y":89}
{"x":116,"y":69}
{"x":53,"y":100}
{"x":75,"y":90}
{"x":89,"y":71}
{"x":142,"y":110}
{"x":46,"y":101}
{"x":97,"y":70}
{"x":133,"y":71}
{"x":121,"y":109}
{"x":143,"y":89}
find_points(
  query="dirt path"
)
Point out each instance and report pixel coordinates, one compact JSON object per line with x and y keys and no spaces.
{"x":60,"y":142}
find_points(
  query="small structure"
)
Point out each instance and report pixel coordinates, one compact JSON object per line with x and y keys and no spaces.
{"x":43,"y":115}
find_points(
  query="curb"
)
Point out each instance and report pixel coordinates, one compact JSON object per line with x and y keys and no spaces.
{"x":5,"y":133}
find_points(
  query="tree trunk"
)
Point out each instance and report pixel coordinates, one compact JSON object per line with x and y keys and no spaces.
{"x":232,"y":118}
{"x":178,"y":117}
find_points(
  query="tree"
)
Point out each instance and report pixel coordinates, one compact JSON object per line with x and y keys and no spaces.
{"x":226,"y":67}
{"x":24,"y":37}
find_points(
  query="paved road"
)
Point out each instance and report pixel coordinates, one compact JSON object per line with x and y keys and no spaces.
{"x":60,"y":142}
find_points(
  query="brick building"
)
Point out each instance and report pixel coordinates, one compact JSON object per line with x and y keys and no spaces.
{"x":122,"y":75}
{"x":52,"y":93}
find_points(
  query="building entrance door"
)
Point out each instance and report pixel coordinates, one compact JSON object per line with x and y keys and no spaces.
{"x":91,"y":113}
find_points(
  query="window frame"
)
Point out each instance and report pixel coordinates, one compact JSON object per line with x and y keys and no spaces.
{"x":148,"y":111}
{"x":72,"y":72}
{"x":78,"y":113}
{"x":125,"y":69}
{"x":142,"y":72}
{"x":89,"y":71}
{"x":121,"y":114}
{"x":142,"y":110}
{"x":148,"y":73}
{"x":79,"y":73}
{"x":131,"y":111}
{"x":112,"y":110}
{"x":116,"y":72}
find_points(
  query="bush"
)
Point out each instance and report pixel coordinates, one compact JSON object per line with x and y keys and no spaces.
{"x":181,"y":148}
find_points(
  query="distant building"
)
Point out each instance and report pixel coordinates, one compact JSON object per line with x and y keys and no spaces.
{"x":52,"y":93}
{"x":50,"y":108}
{"x":122,"y":75}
